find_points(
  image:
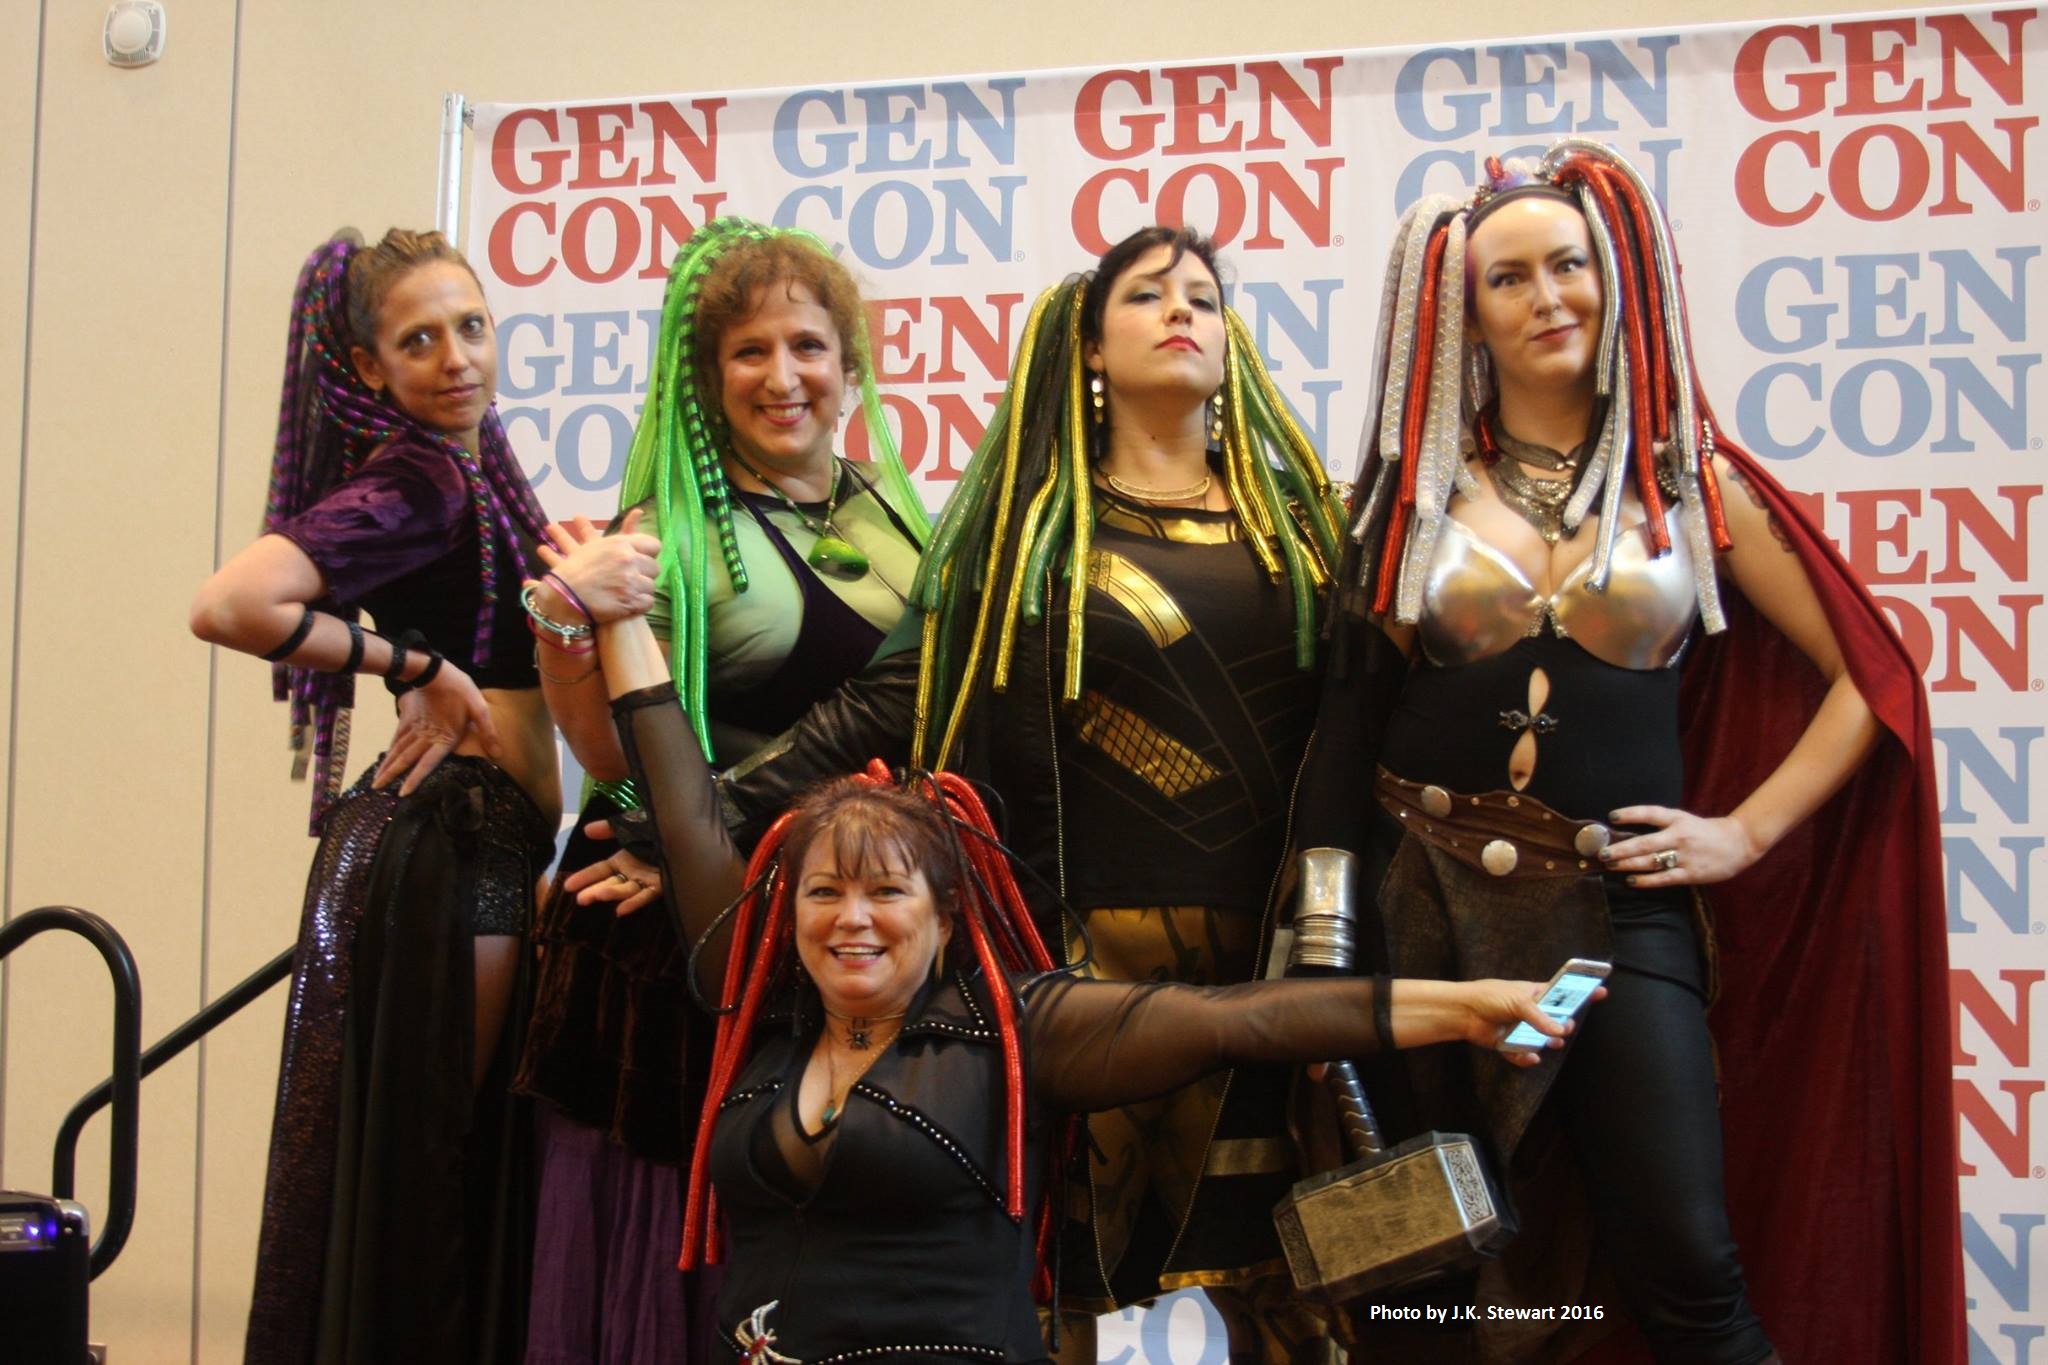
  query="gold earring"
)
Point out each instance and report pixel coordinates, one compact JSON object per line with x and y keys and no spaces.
{"x":1216,"y":419}
{"x":1095,"y":397}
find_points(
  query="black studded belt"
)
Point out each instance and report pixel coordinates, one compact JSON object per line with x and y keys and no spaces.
{"x":1502,"y":834}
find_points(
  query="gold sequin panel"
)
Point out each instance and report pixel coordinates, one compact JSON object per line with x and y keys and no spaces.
{"x":1135,"y":744}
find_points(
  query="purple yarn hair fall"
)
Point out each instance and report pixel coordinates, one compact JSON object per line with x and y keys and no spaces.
{"x":329,"y":421}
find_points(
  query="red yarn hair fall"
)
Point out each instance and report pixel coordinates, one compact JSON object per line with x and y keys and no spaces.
{"x":1003,"y":939}
{"x":1421,"y":359}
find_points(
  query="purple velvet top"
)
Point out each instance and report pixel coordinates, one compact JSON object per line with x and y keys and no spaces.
{"x":399,"y":539}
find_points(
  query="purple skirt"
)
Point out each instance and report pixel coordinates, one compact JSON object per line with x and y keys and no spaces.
{"x":606,"y":1290}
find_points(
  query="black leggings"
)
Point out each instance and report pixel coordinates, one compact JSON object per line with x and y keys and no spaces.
{"x":1637,"y":1101}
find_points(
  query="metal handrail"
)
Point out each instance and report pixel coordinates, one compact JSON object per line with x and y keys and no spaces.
{"x":169,"y":1046}
{"x":125,"y":1087}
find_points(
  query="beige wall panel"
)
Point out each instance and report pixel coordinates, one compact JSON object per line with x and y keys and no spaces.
{"x":18,"y":48}
{"x":117,"y":495}
{"x":532,"y":49}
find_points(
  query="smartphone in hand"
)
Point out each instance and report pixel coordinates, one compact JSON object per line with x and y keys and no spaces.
{"x":1567,"y":994}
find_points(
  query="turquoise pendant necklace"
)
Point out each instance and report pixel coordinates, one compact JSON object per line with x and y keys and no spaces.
{"x":831,"y":552}
{"x":860,"y":1036}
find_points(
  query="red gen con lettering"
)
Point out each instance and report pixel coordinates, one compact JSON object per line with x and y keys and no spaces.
{"x":605,"y":235}
{"x":1115,"y":119}
{"x":1858,"y":68}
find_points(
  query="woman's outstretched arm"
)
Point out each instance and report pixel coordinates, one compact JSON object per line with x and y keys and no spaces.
{"x":1098,"y":1044}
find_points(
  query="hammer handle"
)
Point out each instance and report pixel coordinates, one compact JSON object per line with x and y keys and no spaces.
{"x":1354,"y":1112}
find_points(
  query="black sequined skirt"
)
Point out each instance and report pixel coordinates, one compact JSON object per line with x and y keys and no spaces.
{"x":394,"y":1213}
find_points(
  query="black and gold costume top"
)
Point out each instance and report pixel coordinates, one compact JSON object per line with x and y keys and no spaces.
{"x":1165,"y":783}
{"x":1176,"y":760}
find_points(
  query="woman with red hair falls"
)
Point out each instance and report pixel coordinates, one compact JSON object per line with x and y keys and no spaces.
{"x":895,"y":1044}
{"x":1545,"y":526}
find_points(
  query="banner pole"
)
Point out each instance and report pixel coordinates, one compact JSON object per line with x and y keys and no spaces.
{"x":455,"y":116}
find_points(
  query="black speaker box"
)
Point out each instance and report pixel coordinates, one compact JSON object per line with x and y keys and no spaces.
{"x":45,"y":1275}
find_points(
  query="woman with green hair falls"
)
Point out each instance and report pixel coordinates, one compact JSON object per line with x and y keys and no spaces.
{"x":775,"y":568}
{"x":1118,"y":620}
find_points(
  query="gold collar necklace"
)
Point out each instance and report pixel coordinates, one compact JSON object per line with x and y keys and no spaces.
{"x":1131,"y":490}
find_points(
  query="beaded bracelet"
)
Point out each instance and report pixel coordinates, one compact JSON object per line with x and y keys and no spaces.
{"x":538,"y":621}
{"x":555,"y":581}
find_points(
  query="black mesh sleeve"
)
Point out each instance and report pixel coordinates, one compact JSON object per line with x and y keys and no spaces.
{"x":702,"y":871}
{"x":869,"y":717}
{"x":1098,"y":1044}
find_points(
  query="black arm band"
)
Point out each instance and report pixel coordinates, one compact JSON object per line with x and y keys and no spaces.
{"x":355,"y":648}
{"x":426,"y":674}
{"x":402,"y":649}
{"x":294,"y":640}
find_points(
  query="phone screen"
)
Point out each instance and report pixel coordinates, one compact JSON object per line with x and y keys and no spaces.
{"x":1563,"y":1000}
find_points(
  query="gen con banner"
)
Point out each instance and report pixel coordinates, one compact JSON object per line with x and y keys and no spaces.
{"x":1857,"y":203}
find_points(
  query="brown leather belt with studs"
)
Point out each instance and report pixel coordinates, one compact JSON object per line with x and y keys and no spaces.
{"x":1499,"y":833}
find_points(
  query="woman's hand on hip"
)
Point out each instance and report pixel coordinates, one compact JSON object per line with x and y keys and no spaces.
{"x":432,"y":721}
{"x":1682,"y":850}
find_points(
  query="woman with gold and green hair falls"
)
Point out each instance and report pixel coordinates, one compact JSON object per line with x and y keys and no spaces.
{"x":774,"y":568}
{"x":1119,"y":615}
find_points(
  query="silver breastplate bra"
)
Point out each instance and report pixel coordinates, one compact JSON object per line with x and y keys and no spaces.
{"x":1477,"y":603}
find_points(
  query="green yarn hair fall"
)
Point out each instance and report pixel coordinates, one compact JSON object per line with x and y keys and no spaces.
{"x":677,"y":458}
{"x":1024,"y":511}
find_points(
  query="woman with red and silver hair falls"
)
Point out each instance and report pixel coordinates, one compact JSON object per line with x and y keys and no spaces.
{"x":1658,"y":427}
{"x":1587,"y":692}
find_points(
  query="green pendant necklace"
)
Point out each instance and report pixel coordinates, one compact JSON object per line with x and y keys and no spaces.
{"x":860,"y":1036}
{"x":831,"y":552}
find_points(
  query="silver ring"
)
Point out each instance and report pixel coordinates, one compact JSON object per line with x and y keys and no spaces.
{"x":1667,"y":859}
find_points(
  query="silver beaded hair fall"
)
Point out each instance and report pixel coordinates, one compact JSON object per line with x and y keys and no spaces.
{"x":1431,"y":385}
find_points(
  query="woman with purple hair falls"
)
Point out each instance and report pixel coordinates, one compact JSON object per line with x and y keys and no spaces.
{"x":389,"y":1227}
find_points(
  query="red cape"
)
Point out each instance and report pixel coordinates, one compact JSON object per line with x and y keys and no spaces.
{"x":1833,"y":1017}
